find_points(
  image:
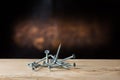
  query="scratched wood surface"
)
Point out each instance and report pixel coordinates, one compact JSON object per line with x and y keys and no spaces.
{"x":86,"y":69}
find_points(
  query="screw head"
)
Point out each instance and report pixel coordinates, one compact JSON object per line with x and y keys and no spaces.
{"x":47,"y":51}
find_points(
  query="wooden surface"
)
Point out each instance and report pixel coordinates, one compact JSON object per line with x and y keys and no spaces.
{"x":17,"y":69}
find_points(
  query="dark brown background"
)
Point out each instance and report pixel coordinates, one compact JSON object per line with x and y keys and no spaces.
{"x":89,"y":29}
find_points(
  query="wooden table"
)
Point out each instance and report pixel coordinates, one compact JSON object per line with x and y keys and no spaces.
{"x":86,"y":69}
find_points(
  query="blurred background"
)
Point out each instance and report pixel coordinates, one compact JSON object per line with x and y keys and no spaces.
{"x":89,"y":29}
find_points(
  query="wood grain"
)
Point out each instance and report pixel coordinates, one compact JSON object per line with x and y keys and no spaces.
{"x":86,"y":69}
